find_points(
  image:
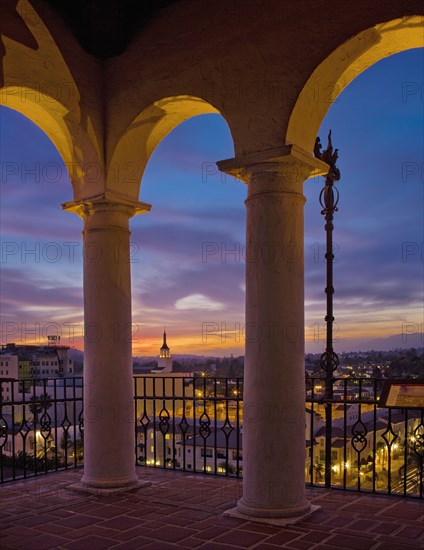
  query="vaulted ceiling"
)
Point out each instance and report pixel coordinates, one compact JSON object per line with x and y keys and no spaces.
{"x":104,"y":28}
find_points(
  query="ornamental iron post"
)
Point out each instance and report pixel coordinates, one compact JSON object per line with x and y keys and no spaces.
{"x":329,"y":360}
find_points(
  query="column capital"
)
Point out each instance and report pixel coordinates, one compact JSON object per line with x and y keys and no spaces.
{"x":282,"y":159}
{"x":106,"y":203}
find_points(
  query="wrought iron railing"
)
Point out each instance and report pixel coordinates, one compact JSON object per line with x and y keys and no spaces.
{"x":373,"y":448}
{"x":41,"y":426}
{"x":189,"y":423}
{"x":195,"y":424}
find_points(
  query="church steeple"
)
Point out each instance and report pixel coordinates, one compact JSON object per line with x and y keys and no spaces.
{"x":164,"y":345}
{"x":164,"y":359}
{"x":164,"y":350}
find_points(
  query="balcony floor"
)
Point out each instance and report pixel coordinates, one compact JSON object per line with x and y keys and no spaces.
{"x":181,"y":510}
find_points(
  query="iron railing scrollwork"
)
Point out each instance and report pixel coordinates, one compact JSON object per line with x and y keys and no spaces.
{"x":39,"y":421}
{"x":195,"y":424}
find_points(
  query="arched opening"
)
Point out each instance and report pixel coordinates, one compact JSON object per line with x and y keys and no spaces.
{"x":45,"y":112}
{"x":379,"y":226}
{"x":377,"y":126}
{"x":41,"y":248}
{"x":188,"y":268}
{"x":75,"y":146}
{"x":41,"y":314}
{"x":341,"y":67}
{"x":143,"y":135}
{"x":40,"y":79}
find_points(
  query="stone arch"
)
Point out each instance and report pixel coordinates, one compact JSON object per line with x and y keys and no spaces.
{"x":38,"y":111}
{"x":81,"y":161}
{"x":135,"y":146}
{"x":38,"y":78}
{"x":344,"y":64}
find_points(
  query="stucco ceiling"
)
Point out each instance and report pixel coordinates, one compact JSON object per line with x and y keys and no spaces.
{"x":104,"y":28}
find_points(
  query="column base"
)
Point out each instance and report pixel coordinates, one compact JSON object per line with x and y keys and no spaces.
{"x":92,"y":490}
{"x":272,"y":516}
{"x":107,"y":487}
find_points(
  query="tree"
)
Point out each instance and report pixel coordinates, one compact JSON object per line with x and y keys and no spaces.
{"x":223,"y":367}
{"x":39,"y":404}
{"x":319,"y":470}
{"x":236,"y":369}
{"x":376,"y":372}
{"x":65,"y":443}
{"x":80,"y":450}
{"x":75,"y":449}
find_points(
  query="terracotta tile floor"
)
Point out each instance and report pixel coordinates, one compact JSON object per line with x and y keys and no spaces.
{"x":185,"y":511}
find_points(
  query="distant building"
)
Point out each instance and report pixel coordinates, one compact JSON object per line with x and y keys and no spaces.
{"x":19,"y":363}
{"x":25,"y":362}
{"x":171,"y":387}
{"x":165,"y":359}
{"x":9,"y":369}
{"x":181,"y":444}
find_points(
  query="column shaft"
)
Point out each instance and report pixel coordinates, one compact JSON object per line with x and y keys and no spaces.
{"x":109,"y":441}
{"x":274,"y":389}
{"x":274,"y":377}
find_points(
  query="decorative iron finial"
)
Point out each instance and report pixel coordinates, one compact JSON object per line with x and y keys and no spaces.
{"x":328,"y":156}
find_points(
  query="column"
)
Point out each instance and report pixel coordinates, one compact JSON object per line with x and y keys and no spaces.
{"x":109,"y":438}
{"x":274,"y":376}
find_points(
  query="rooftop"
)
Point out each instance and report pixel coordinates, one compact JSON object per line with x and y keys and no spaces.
{"x":180,"y":510}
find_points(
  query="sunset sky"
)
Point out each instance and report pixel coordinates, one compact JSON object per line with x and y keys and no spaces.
{"x":377,"y":124}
